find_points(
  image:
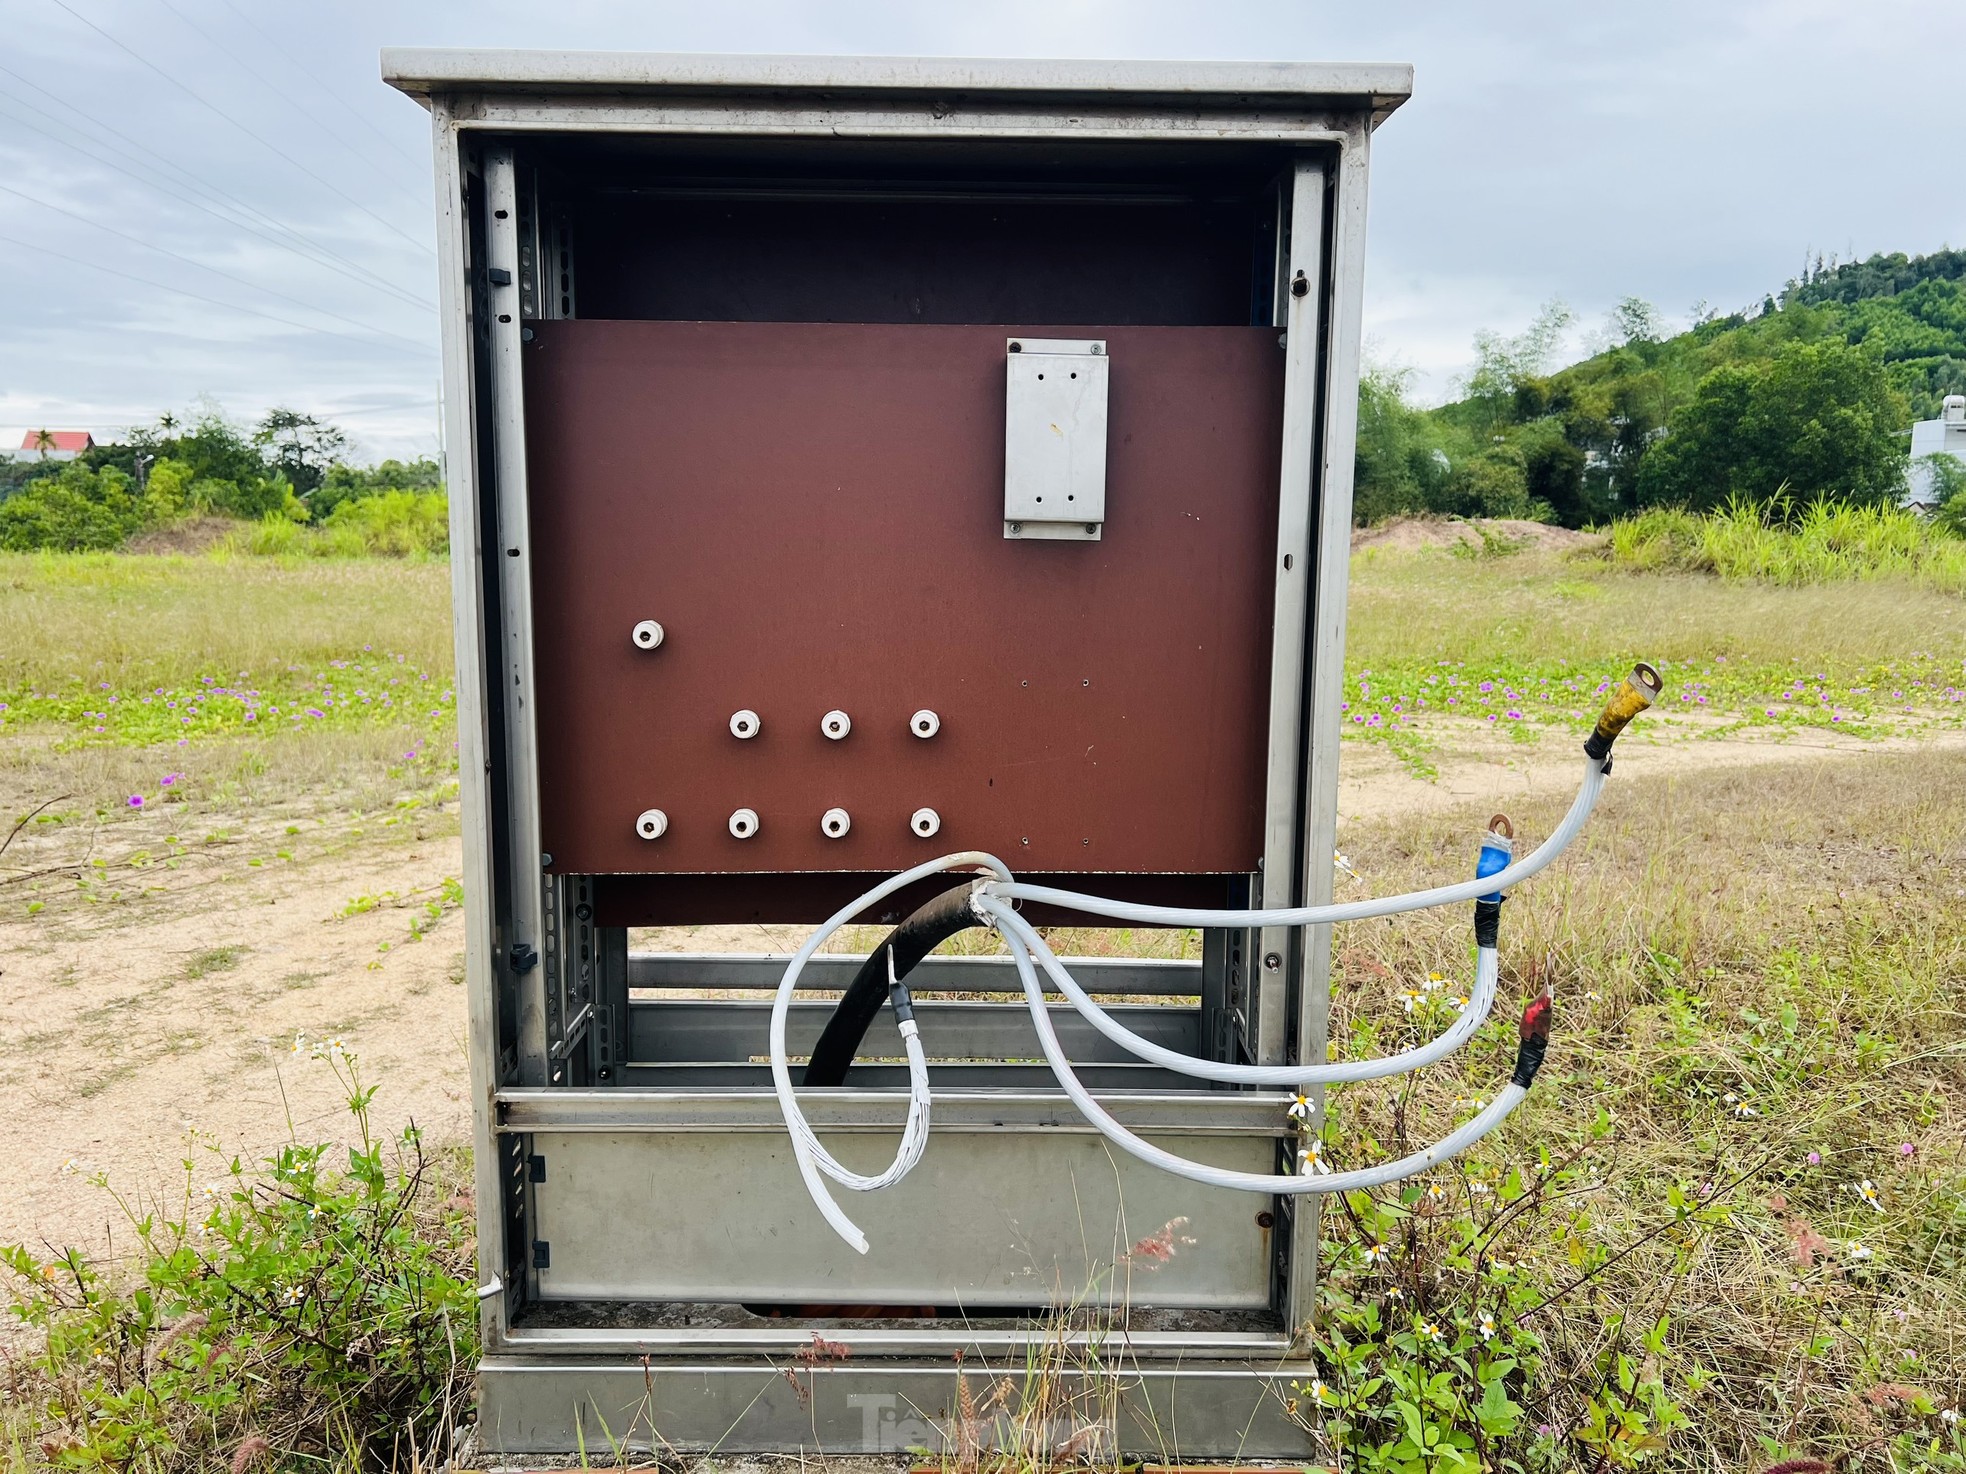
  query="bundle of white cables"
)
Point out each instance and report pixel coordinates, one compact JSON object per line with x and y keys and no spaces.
{"x":991,"y":902}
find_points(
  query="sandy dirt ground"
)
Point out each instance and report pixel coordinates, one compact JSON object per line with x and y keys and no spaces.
{"x":141,"y":1031}
{"x":1406,"y":534}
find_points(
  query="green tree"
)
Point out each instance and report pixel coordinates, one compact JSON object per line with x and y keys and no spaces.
{"x":302,"y":447}
{"x":1400,"y":465}
{"x":1635,"y":320}
{"x":1503,"y":364}
{"x":1945,"y":481}
{"x":1553,"y":471}
{"x":1819,"y":420}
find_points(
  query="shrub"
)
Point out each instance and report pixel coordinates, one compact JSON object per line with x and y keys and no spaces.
{"x":345,"y":483}
{"x":399,"y":523}
{"x":1430,"y":1334}
{"x":314,"y":1315}
{"x":78,"y":509}
{"x":393,"y":524}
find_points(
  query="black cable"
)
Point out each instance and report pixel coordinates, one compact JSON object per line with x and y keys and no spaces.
{"x":860,"y":1005}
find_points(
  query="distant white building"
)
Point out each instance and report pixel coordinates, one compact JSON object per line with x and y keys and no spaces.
{"x":1944,"y":436}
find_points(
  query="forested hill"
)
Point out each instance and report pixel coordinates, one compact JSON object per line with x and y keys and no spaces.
{"x":1807,"y":395}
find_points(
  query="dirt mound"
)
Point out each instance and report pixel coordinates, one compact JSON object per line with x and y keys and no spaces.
{"x":193,"y":535}
{"x":1503,"y":534}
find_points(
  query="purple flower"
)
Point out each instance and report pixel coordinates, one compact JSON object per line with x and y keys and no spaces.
{"x":314,"y":711}
{"x":1814,"y":1159}
{"x":1906,"y":1149}
{"x":136,"y":800}
{"x":1485,"y":686}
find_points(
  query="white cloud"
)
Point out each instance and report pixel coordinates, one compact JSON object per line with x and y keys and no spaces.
{"x":1677,"y":151}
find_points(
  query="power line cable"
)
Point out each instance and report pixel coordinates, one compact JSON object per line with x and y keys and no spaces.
{"x":420,"y":161}
{"x":223,"y":115}
{"x":183,"y":291}
{"x":326,"y":127}
{"x":182,"y":197}
{"x":202,"y":266}
{"x":304,"y":245}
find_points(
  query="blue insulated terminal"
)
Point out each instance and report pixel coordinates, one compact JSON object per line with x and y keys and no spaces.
{"x":1497,"y":850}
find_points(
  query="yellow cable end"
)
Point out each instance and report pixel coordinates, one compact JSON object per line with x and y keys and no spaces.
{"x":1633,"y":694}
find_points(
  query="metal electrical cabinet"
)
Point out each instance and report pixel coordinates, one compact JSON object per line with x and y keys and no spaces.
{"x":853,"y":461}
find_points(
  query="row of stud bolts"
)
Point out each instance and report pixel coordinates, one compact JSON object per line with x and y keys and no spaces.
{"x":746,"y":724}
{"x":834,"y":823}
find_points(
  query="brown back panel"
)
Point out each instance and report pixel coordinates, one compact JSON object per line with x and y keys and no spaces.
{"x":814,"y":514}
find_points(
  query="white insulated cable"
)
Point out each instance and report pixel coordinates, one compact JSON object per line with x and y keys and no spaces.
{"x":812,"y":1157}
{"x":990,"y":902}
{"x":1019,"y":934}
{"x":1342,"y":1072}
{"x":1535,"y":861}
{"x":816,"y":1163}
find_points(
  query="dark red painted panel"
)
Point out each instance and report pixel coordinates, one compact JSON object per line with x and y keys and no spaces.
{"x":814,"y":514}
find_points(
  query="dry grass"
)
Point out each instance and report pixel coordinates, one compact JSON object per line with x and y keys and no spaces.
{"x":1432,"y":606}
{"x":1761,"y":983}
{"x":138,"y":622}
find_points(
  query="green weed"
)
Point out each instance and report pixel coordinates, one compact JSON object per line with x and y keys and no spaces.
{"x":1825,"y":542}
{"x":313,"y":1316}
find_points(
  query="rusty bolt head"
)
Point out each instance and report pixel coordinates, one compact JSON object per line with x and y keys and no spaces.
{"x":1272,"y":961}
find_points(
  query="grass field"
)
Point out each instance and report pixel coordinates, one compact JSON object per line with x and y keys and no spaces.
{"x":1728,"y":1228}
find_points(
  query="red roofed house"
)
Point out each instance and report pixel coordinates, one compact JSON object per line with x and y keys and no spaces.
{"x":54,"y":445}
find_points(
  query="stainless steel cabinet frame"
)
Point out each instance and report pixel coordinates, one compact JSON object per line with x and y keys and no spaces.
{"x":638,"y":255}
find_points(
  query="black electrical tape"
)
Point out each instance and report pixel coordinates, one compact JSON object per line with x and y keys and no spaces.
{"x":1598,"y":747}
{"x":1528,"y":1060}
{"x":899,"y":1000}
{"x":1535,"y":1041}
{"x":1488,"y":922}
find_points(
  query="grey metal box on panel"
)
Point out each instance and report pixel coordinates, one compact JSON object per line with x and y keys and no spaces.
{"x":708,"y":367}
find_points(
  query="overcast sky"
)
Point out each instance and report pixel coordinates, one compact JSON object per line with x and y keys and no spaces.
{"x":1675,"y":151}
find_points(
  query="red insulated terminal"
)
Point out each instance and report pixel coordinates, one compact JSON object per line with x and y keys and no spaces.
{"x":1536,"y":1017}
{"x":1535,"y":1040}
